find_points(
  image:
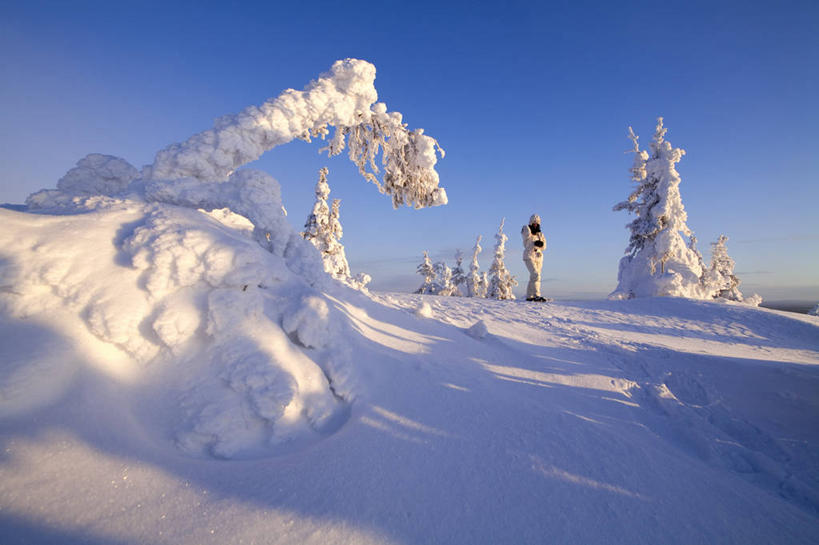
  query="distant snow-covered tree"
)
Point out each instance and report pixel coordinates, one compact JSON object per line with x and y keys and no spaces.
{"x":427,"y":270}
{"x":658,"y":260}
{"x":815,"y":311}
{"x":501,"y":280}
{"x":443,"y":277}
{"x":458,"y":274}
{"x":476,"y":283}
{"x":719,"y":279}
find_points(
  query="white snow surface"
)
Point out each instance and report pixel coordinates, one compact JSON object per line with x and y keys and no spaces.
{"x":165,"y":379}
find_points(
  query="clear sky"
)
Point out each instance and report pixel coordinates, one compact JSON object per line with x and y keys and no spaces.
{"x":531,"y":102}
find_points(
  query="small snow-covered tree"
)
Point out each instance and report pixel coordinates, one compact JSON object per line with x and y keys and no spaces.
{"x":719,"y":279}
{"x":427,"y":270}
{"x":317,"y":226}
{"x":443,"y":277}
{"x":476,"y":283}
{"x":658,"y":260}
{"x":458,"y":274}
{"x":338,"y":259}
{"x":323,"y":230}
{"x":815,"y":311}
{"x":501,"y":280}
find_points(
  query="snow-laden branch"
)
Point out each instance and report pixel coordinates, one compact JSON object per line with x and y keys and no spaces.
{"x":343,"y":98}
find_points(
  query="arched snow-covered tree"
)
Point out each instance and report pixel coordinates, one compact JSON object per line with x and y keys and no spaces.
{"x":476,"y":283}
{"x":501,"y":280}
{"x":343,"y":98}
{"x":202,"y":172}
{"x":658,"y":260}
{"x":427,"y":270}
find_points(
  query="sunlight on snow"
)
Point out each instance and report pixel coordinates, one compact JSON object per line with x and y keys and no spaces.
{"x":539,"y":378}
{"x":399,"y":426}
{"x":408,"y":423}
{"x":692,"y":345}
{"x":384,"y":333}
{"x":552,"y":472}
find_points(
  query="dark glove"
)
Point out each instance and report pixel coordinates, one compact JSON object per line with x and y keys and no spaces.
{"x":539,"y":243}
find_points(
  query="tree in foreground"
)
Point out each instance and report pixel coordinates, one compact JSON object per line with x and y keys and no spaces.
{"x":658,"y":260}
{"x":719,"y":279}
{"x":476,"y":282}
{"x":501,"y":280}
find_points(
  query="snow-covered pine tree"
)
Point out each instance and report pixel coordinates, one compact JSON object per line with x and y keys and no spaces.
{"x":501,"y":280}
{"x":443,"y":277}
{"x":458,"y":275}
{"x":476,"y":283}
{"x":427,"y":270}
{"x":337,"y":258}
{"x":719,"y":279}
{"x":658,"y":260}
{"x":323,"y":229}
{"x":815,"y":311}
{"x":316,"y":228}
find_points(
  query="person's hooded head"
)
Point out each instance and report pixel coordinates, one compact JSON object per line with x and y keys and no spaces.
{"x":534,"y":220}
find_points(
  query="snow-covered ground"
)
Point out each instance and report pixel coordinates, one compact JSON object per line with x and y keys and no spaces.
{"x":164,"y":379}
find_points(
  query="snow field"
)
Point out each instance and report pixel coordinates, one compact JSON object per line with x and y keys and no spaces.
{"x":475,"y":421}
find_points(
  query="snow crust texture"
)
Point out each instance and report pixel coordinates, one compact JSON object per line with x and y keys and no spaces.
{"x":188,"y":298}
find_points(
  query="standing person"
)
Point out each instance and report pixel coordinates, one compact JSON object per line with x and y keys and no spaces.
{"x":534,"y":244}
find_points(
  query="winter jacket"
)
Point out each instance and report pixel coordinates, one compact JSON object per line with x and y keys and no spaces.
{"x":534,"y":244}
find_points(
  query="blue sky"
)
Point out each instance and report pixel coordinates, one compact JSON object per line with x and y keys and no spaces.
{"x":531,"y":103}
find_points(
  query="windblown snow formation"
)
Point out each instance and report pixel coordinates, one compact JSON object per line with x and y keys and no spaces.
{"x":343,"y":98}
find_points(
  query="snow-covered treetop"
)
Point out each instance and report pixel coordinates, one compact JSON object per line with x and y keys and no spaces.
{"x":343,"y":98}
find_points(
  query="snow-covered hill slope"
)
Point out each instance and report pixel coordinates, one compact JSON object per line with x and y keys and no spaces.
{"x":163,"y":379}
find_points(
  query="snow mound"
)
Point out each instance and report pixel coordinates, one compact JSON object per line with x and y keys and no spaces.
{"x":179,"y":297}
{"x":424,"y":310}
{"x":478,"y":330}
